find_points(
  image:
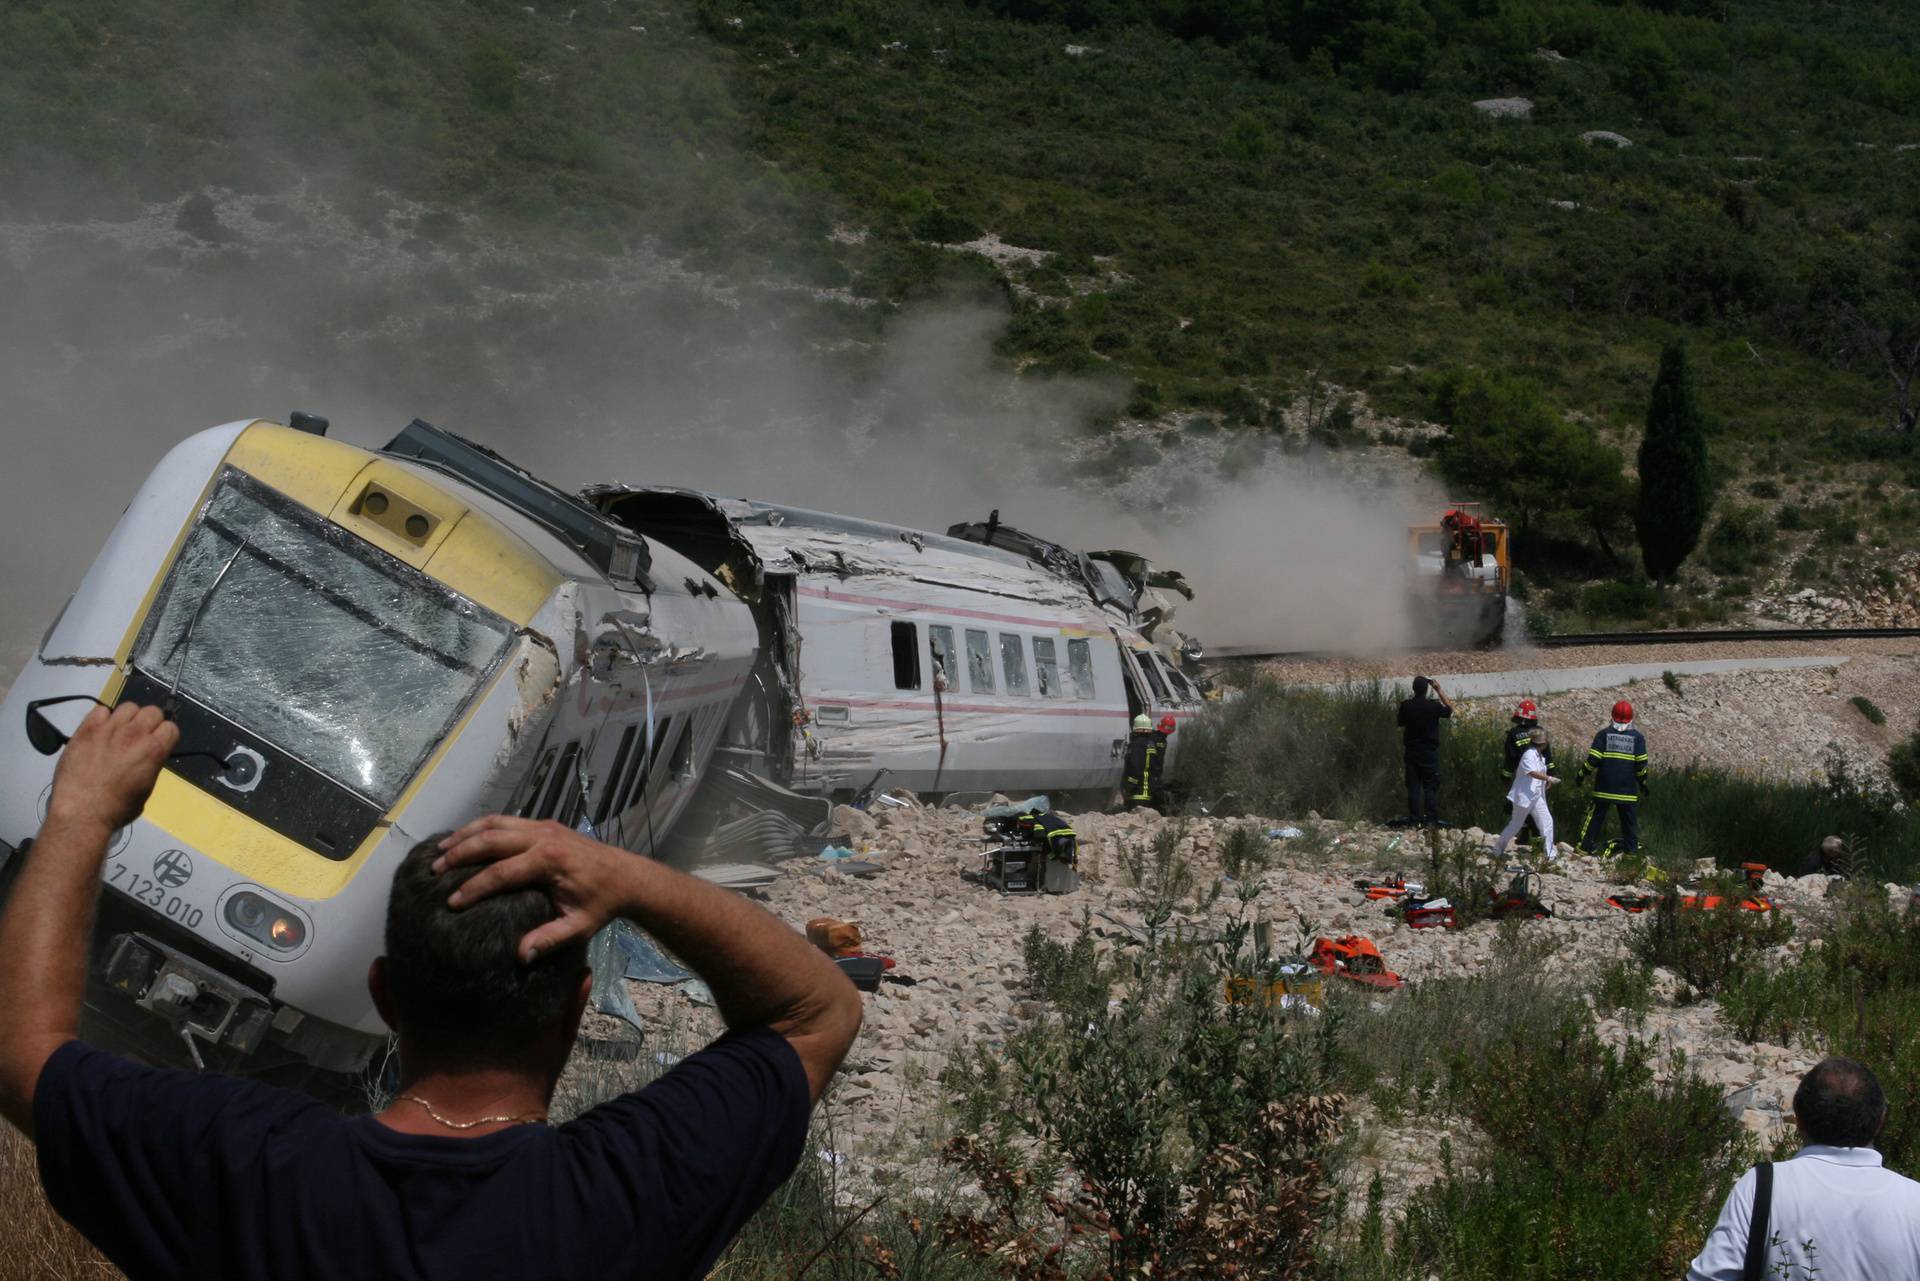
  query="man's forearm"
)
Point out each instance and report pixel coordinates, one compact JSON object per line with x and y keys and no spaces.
{"x":43,"y":953}
{"x":761,"y":970}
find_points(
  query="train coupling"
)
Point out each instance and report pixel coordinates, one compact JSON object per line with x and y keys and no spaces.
{"x":200,"y":1003}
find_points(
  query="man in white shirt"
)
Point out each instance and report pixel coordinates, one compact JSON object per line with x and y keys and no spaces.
{"x":1835,"y":1213}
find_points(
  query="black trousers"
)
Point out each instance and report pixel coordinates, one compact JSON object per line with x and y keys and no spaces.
{"x":1596,"y":825}
{"x":1423,"y":786}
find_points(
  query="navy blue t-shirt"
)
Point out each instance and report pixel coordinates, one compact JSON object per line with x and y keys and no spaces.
{"x":176,"y":1174}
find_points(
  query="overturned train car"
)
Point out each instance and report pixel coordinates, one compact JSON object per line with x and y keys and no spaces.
{"x":380,"y":645}
{"x":979,"y":660}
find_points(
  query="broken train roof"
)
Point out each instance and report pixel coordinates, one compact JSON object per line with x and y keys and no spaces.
{"x":984,"y":557}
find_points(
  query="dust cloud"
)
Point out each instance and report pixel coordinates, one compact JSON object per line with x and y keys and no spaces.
{"x":119,"y":337}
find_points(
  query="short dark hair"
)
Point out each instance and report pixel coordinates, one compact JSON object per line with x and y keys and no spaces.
{"x":1840,"y":1104}
{"x":457,"y":984}
{"x":1420,"y":684}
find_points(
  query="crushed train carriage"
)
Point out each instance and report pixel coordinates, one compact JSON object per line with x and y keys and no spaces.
{"x":974,"y":661}
{"x":382,"y":644}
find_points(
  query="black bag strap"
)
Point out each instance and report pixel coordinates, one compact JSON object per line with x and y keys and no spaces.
{"x":1758,"y":1227}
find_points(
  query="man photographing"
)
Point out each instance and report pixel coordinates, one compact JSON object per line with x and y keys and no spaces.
{"x":1419,"y":719}
{"x":178,"y":1174}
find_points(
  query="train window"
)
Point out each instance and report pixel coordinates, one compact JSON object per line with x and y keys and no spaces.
{"x":979,"y":662}
{"x":617,"y":775}
{"x":906,"y":656}
{"x":539,"y":781}
{"x":1013,"y":663}
{"x":562,"y":783}
{"x":680,"y":764}
{"x":1080,"y":667}
{"x":945,"y":656}
{"x":1046,"y":667}
{"x":1183,"y":691}
{"x":641,"y":766}
{"x":1150,"y":668}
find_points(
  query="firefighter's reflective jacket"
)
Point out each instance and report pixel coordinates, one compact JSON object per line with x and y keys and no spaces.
{"x":1618,"y":759}
{"x":1519,"y":739}
{"x":1146,"y":751}
{"x":1062,"y":842}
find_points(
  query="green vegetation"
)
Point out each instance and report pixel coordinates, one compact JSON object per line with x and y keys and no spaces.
{"x":1903,"y":765}
{"x":1709,"y":946}
{"x":1675,"y":489}
{"x":1868,"y":708}
{"x":563,"y":130}
{"x":1285,"y":751}
{"x":1856,"y":995}
{"x":1232,"y":211}
{"x":1595,"y":1168}
{"x":1545,"y":473}
{"x":1200,"y":1128}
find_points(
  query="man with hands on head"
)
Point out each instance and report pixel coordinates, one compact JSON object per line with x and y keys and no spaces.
{"x":181,"y":1174}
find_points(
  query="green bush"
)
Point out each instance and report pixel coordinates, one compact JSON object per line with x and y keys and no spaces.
{"x":1858,"y":994}
{"x":1709,"y":946}
{"x":1594,"y":1169}
{"x":1903,"y":767}
{"x":1866,"y":707}
{"x":1741,"y":541}
{"x":1615,"y":601}
{"x":1198,"y":1128}
{"x":1625,"y":985}
{"x":1245,"y":850}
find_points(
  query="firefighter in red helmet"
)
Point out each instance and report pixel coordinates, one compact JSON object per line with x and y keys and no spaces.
{"x":1618,"y":762}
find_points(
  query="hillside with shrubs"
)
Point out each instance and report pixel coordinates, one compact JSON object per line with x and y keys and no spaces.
{"x":1316,"y":223}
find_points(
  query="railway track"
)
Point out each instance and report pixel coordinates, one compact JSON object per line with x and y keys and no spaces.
{"x":1573,"y":640}
{"x":1735,"y":636}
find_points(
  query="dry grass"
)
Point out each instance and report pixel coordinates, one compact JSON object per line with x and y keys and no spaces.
{"x":35,"y":1243}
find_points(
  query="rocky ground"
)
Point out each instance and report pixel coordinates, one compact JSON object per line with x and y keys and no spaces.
{"x":962,"y":945}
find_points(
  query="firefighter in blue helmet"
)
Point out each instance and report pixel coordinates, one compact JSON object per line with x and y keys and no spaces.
{"x":1618,"y":762}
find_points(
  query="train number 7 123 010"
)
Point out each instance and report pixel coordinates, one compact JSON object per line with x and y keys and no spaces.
{"x":150,"y":892}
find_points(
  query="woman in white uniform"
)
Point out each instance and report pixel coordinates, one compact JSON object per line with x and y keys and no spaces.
{"x":1528,"y":795}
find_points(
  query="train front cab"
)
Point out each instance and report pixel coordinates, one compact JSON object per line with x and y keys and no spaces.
{"x":342,"y":632}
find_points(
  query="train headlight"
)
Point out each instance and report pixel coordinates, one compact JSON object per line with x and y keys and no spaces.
{"x":255,"y":918}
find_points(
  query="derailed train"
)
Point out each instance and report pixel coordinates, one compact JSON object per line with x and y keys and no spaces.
{"x":366,"y":647}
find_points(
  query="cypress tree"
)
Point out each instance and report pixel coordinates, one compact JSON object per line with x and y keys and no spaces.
{"x":1674,"y":489}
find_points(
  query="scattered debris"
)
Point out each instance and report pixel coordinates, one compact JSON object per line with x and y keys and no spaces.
{"x":1353,"y":957}
{"x":738,"y":876}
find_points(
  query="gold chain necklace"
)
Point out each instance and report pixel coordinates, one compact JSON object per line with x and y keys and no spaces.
{"x":539,"y":1118}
